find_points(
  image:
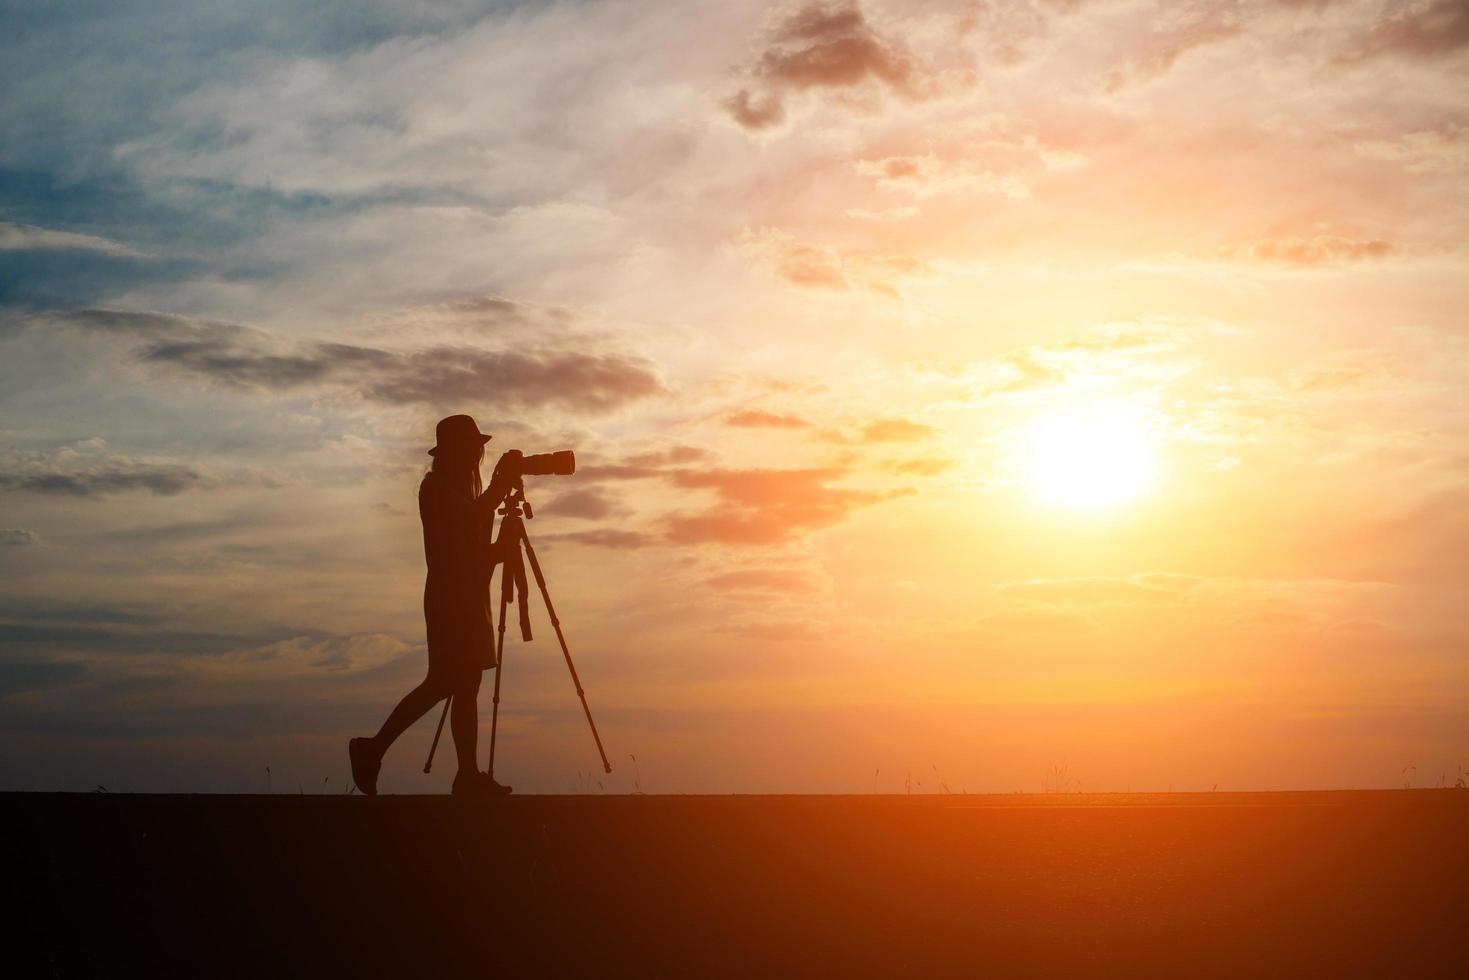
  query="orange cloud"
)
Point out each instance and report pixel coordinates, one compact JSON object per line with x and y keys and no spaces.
{"x":767,"y":506}
{"x":813,"y":266}
{"x":896,"y":430}
{"x":761,"y":580}
{"x":1087,"y":591}
{"x":755,"y":418}
{"x":1320,"y":250}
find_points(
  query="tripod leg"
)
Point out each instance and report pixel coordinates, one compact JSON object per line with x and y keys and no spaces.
{"x":429,"y":763}
{"x":499,"y":670}
{"x":535,"y":567}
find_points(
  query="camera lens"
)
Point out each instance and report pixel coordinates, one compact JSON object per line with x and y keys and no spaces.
{"x":549,"y":464}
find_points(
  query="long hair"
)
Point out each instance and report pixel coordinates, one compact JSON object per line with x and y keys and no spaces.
{"x":459,"y":469}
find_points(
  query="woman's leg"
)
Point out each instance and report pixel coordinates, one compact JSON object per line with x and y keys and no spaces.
{"x":464,"y":722}
{"x":415,"y":705}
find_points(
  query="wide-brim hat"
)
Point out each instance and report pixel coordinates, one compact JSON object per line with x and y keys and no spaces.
{"x":455,"y":431}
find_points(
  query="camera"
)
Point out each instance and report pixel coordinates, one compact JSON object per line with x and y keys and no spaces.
{"x":515,"y":464}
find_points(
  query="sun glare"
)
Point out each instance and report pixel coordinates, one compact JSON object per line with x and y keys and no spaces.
{"x":1089,"y":456}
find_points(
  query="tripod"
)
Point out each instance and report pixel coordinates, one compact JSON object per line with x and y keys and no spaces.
{"x":512,"y":542}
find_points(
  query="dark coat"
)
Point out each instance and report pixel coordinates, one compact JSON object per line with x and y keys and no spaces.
{"x":457,"y":531}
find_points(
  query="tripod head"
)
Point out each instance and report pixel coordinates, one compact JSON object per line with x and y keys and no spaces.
{"x":515,"y":505}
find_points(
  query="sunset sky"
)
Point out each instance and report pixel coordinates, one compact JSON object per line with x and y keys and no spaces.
{"x":968,"y":396}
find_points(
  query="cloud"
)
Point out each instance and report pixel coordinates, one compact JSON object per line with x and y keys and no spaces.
{"x":818,"y":267}
{"x":244,"y":357}
{"x":1316,"y":251}
{"x":761,"y":580}
{"x":89,"y":470}
{"x":361,"y":651}
{"x":582,"y":502}
{"x":882,"y":214}
{"x":1425,"y":151}
{"x":755,"y":418}
{"x":1088,"y":591}
{"x":831,"y":46}
{"x":642,"y":466}
{"x":25,"y":677}
{"x":1162,"y":50}
{"x":755,"y":112}
{"x":603,"y":538}
{"x":16,"y":238}
{"x":896,"y":430}
{"x":920,"y":467}
{"x":787,"y":631}
{"x":766,"y":506}
{"x":1025,"y":372}
{"x":568,"y":379}
{"x":17,"y":537}
{"x":44,"y":634}
{"x":1422,"y":30}
{"x":928,"y":176}
{"x":1046,"y":622}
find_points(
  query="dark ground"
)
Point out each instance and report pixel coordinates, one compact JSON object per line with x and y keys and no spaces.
{"x":1371,"y":884}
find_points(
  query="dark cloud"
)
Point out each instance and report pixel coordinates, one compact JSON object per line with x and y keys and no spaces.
{"x":1425,"y":30}
{"x":755,"y":112}
{"x":244,"y":357}
{"x":755,"y":418}
{"x":603,"y":538}
{"x":826,"y":46}
{"x":34,"y":610}
{"x":643,"y":466}
{"x":51,"y":636}
{"x":766,"y":506}
{"x":583,"y":502}
{"x":232,"y":363}
{"x":70,"y":277}
{"x":573,"y":380}
{"x":73,"y":475}
{"x":25,"y":677}
{"x":17,"y":537}
{"x":617,"y":471}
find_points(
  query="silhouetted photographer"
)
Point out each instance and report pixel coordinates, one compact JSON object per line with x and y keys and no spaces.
{"x":461,"y":552}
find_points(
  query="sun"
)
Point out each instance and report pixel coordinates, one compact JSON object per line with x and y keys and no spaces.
{"x":1088,"y":457}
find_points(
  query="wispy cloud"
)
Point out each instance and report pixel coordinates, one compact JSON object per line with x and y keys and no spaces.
{"x":755,"y":418}
{"x":15,"y":237}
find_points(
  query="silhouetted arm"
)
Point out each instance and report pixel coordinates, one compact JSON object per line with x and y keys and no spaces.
{"x":486,"y":507}
{"x":499,"y":488}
